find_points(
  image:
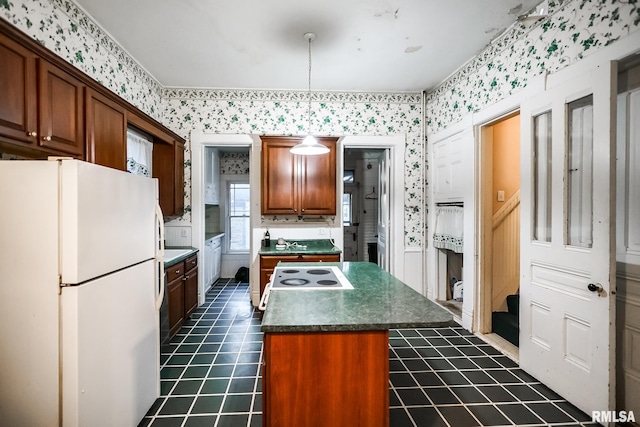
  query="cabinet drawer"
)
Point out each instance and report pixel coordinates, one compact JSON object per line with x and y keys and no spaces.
{"x":191,"y":263}
{"x":174,"y":271}
{"x":320,"y":258}
{"x":272,"y":261}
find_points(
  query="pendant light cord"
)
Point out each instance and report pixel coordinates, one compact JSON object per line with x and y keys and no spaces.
{"x":310,"y":37}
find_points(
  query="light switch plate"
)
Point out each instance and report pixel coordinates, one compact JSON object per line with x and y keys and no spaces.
{"x":501,"y":195}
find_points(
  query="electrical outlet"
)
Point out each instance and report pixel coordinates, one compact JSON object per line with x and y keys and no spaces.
{"x":322,"y":231}
{"x":501,"y":195}
{"x":183,"y":232}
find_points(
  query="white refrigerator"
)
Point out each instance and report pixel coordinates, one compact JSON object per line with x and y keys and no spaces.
{"x":80,"y":287}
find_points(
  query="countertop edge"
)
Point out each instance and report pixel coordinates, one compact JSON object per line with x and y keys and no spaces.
{"x":357,"y":327}
{"x":181,"y":257}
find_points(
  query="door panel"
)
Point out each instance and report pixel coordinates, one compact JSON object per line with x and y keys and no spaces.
{"x":107,"y":220}
{"x":568,"y":257}
{"x":17,"y":92}
{"x":384,"y":172}
{"x":106,"y":124}
{"x":60,"y":104}
{"x":109,"y":366}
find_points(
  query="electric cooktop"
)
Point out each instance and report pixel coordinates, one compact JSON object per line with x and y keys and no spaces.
{"x":315,"y":277}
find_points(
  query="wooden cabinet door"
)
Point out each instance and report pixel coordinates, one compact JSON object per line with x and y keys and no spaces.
{"x":318,"y":181}
{"x":168,"y":167}
{"x":60,"y":108}
{"x":279,"y":186}
{"x":18,"y":121}
{"x":190,"y":292}
{"x":106,"y":128}
{"x":175,"y":296}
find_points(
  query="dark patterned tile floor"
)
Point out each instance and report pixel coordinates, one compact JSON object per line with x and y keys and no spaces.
{"x":210,"y":375}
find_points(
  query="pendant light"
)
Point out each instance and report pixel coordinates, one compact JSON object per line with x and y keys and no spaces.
{"x":309,"y":146}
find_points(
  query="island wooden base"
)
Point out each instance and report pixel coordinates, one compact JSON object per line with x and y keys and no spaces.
{"x":326,"y":379}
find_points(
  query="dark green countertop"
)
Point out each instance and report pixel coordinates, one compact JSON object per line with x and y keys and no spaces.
{"x":313,"y":247}
{"x":378,"y":301}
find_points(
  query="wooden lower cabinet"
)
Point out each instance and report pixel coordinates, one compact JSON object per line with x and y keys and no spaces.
{"x":182,"y":292}
{"x":191,"y":286}
{"x":269,"y":262}
{"x":175,"y":296}
{"x":326,"y":379}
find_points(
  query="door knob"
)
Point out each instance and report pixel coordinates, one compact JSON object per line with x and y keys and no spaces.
{"x":595,"y":287}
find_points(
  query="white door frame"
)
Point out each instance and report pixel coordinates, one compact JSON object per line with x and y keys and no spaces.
{"x":200,"y":140}
{"x":484,"y":203}
{"x":395,"y":144}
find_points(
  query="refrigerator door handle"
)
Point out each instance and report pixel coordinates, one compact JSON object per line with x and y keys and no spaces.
{"x":160,"y":256}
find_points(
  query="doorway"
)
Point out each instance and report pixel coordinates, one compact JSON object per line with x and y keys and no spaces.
{"x":500,"y":231}
{"x":360,"y":199}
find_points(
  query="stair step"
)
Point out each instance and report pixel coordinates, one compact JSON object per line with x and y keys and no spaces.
{"x":506,"y":325}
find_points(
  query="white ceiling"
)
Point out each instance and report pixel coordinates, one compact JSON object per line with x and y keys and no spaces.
{"x":361,"y":45}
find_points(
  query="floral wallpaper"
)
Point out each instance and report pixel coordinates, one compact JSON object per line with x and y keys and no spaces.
{"x":234,"y":164}
{"x":285,"y":113}
{"x":65,"y":29}
{"x":573,"y":30}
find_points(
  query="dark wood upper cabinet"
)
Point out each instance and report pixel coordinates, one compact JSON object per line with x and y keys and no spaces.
{"x":18,"y":104}
{"x":178,"y":179}
{"x":106,"y":127}
{"x":50,"y":108}
{"x":60,"y":110}
{"x":279,"y":180}
{"x":41,"y":105}
{"x":318,"y":181}
{"x":294,"y":184}
{"x":168,"y":167}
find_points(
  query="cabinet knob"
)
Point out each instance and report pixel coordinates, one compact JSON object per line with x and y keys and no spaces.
{"x":302,"y":210}
{"x":32,"y":134}
{"x":177,"y":271}
{"x":46,"y":138}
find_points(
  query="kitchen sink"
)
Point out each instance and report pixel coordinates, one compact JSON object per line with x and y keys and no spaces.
{"x":171,"y":254}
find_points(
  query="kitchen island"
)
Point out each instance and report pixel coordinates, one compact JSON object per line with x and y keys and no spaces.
{"x":326,"y":360}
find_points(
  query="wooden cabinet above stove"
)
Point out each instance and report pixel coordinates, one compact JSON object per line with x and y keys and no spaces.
{"x":294,"y":184}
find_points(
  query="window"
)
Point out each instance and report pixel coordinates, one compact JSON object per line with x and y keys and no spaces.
{"x":542,"y":177}
{"x":346,"y":209}
{"x":348,"y":177}
{"x":239,"y":208}
{"x":580,"y":173}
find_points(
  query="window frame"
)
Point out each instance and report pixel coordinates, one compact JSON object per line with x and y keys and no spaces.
{"x":229,"y":183}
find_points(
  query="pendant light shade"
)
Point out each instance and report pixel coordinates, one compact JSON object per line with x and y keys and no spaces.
{"x":309,"y":146}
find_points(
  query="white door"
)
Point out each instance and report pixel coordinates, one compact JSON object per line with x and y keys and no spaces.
{"x":384,"y":173}
{"x":567,"y":248}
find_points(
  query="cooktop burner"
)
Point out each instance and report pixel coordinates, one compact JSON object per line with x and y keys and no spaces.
{"x":309,"y":278}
